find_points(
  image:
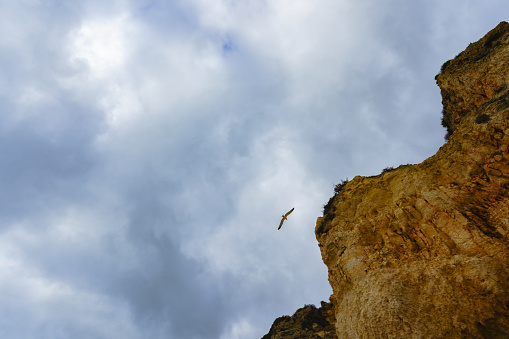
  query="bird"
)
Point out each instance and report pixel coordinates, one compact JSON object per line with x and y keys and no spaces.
{"x":284,"y":217}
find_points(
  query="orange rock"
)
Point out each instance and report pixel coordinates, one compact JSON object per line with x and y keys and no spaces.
{"x":422,"y":251}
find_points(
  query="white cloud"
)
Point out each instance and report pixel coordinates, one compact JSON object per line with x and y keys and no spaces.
{"x":101,"y":45}
{"x":239,"y":330}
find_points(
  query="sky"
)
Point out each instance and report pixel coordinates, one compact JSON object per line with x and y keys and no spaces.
{"x":149,"y":148}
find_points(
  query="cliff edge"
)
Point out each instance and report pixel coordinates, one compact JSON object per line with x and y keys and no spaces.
{"x":422,"y":251}
{"x":307,"y":322}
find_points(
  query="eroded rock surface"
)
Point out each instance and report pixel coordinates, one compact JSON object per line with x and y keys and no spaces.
{"x":422,"y":251}
{"x":307,"y":322}
{"x":477,"y":75}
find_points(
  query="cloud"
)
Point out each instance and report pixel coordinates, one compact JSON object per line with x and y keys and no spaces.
{"x":149,"y":149}
{"x":101,"y":45}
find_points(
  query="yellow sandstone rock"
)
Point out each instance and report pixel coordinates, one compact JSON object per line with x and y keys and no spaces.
{"x":422,"y":251}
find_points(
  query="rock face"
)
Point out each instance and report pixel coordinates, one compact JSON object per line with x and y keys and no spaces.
{"x":475,"y":76}
{"x":422,"y":251}
{"x":307,"y":322}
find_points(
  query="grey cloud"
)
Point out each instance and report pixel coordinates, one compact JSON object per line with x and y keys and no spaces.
{"x":141,"y":197}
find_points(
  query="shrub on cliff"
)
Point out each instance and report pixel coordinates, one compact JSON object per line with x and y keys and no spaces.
{"x":340,"y":186}
{"x":337,"y":189}
{"x":328,"y":209}
{"x":388,"y":169}
{"x":313,"y":316}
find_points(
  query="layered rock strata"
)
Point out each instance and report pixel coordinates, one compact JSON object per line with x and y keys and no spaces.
{"x":422,"y":251}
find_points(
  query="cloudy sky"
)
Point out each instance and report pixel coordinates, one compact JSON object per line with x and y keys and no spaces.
{"x":149,"y":148}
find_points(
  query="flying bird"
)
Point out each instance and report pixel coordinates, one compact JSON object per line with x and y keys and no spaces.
{"x":285,"y":217}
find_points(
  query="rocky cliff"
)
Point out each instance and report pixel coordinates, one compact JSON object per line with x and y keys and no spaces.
{"x":307,"y":322}
{"x":422,"y":251}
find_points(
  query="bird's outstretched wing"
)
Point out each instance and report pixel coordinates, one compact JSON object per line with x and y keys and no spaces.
{"x":281,"y":223}
{"x":290,"y":211}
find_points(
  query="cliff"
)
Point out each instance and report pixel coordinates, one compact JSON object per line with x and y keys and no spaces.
{"x":475,"y":76}
{"x":422,"y":251}
{"x":307,"y":322}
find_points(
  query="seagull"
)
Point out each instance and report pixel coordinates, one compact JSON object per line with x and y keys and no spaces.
{"x":285,"y":217}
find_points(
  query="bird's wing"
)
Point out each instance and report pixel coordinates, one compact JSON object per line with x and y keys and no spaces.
{"x":281,"y":223}
{"x":290,"y":211}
